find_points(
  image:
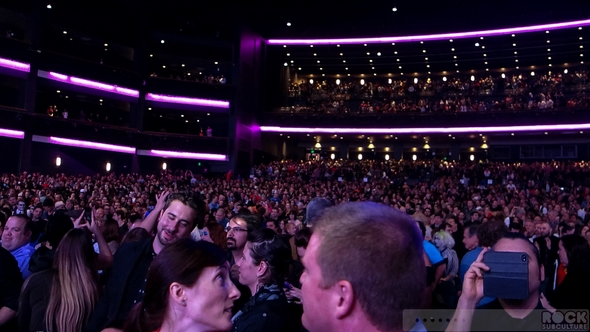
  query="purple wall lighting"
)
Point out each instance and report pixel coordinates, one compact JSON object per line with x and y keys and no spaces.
{"x":188,"y":155}
{"x":187,"y":101}
{"x":450,"y":130}
{"x":11,"y":64}
{"x":91,"y":145}
{"x":12,"y":133}
{"x":91,"y":84}
{"x":442,"y":36}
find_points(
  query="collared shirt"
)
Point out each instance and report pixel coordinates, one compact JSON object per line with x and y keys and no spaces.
{"x":23,"y":256}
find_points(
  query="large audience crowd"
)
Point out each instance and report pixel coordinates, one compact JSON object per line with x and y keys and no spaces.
{"x":454,"y":94}
{"x":113,"y":250}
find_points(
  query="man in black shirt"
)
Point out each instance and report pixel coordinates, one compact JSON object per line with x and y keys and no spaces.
{"x":126,"y":284}
{"x":502,"y":314}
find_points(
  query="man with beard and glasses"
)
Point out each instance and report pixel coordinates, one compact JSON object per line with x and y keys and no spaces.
{"x":237,"y":230}
{"x":127,"y":281}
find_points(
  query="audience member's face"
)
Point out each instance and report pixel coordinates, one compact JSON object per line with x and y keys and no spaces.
{"x":314,"y":296}
{"x":300,"y":252}
{"x":438,"y":242}
{"x":545,"y":229}
{"x":210,"y":299}
{"x":248,"y":269}
{"x":219,"y":215}
{"x":236,"y":240}
{"x":205,"y":236}
{"x":37,"y":212}
{"x":14,"y":235}
{"x":271,"y":225}
{"x":175,"y":223}
{"x":470,"y":242}
{"x":538,"y":230}
{"x":529,"y":228}
{"x":99,"y":214}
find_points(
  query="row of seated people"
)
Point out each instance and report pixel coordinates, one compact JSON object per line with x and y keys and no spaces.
{"x":104,"y":115}
{"x":200,"y":78}
{"x":518,"y":92}
{"x":451,"y":104}
{"x":547,"y":203}
{"x":506,"y":84}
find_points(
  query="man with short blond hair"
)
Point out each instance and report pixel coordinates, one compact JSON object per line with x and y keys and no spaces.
{"x":364,"y":284}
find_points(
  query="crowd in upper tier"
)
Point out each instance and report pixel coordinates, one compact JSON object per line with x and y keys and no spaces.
{"x":454,"y":94}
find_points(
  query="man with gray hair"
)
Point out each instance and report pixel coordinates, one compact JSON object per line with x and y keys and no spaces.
{"x":347,"y":285}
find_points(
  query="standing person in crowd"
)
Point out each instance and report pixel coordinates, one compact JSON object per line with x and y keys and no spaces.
{"x":15,"y":238}
{"x":263,"y":269}
{"x":126,"y":284}
{"x":63,"y":298}
{"x":454,"y":228}
{"x":445,"y":291}
{"x":11,"y":281}
{"x":336,"y":293}
{"x":548,"y":245}
{"x":187,"y":289}
{"x":506,"y":314}
{"x":574,"y":290}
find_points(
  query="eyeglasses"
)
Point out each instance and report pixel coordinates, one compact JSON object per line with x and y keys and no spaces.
{"x":235,"y":229}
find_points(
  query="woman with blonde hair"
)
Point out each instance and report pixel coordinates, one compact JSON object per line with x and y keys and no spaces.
{"x":446,"y":291}
{"x":63,"y":298}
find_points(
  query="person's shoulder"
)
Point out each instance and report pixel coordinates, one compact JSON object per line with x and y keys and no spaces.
{"x":39,"y":278}
{"x":472,"y":254}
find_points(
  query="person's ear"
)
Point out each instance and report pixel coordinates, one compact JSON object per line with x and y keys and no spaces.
{"x":177,"y":293}
{"x":262,"y":269}
{"x":345,"y":298}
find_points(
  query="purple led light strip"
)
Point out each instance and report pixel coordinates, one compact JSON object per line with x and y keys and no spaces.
{"x":12,"y":133}
{"x":442,"y":36}
{"x":91,"y":145}
{"x":440,"y":130}
{"x":187,"y":101}
{"x":93,"y":84}
{"x":188,"y":155}
{"x":11,"y":64}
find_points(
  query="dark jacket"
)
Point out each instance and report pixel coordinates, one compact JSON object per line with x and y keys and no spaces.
{"x":107,"y":310}
{"x":268,"y":310}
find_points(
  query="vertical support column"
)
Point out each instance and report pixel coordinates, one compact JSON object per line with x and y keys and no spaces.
{"x":398,"y":150}
{"x":455,"y":152}
{"x":26,"y":146}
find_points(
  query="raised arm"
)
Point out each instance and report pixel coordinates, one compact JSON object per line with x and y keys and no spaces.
{"x":149,"y":223}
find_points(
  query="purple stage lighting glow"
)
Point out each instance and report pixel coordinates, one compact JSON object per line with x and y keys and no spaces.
{"x":441,"y":36}
{"x":12,"y":133}
{"x":93,"y":84}
{"x":91,"y":145}
{"x":440,"y":130}
{"x":11,"y":64}
{"x":187,"y":101}
{"x":188,"y":155}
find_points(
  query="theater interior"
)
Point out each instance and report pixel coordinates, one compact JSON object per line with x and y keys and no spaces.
{"x":128,"y":86}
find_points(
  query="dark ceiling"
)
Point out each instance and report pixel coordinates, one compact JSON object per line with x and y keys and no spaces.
{"x":309,"y":19}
